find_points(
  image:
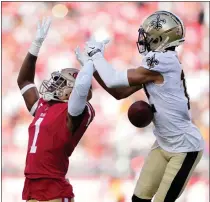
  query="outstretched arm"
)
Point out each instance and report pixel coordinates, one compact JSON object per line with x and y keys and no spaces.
{"x":117,"y":93}
{"x":26,"y":75}
{"x":78,"y":98}
{"x":26,"y":83}
{"x":118,"y":79}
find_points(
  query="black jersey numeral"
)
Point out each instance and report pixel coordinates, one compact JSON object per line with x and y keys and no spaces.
{"x":185,"y":88}
{"x":145,"y":90}
{"x":148,"y":95}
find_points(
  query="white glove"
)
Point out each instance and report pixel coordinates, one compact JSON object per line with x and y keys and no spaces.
{"x":81,"y":57}
{"x":92,"y":47}
{"x":41,"y":33}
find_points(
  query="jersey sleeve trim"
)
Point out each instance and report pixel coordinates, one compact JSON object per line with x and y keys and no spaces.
{"x":34,"y":107}
{"x":27,"y":87}
{"x":91,"y":109}
{"x":91,"y":112}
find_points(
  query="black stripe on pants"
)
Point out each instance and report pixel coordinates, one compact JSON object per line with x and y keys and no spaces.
{"x":181,"y":177}
{"x":136,"y":199}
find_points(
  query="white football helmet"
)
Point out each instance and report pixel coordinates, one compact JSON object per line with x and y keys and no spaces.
{"x":59,"y":86}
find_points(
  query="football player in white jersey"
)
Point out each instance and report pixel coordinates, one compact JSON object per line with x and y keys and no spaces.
{"x":179,"y":144}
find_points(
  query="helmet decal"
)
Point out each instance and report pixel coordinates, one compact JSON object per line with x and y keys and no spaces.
{"x":157,"y":23}
{"x":75,"y":74}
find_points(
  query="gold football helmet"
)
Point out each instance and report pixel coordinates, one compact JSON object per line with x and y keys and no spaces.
{"x":59,"y":86}
{"x":160,"y":31}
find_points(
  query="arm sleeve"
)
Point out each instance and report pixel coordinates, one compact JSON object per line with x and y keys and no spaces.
{"x":110,"y":76}
{"x":78,"y":97}
{"x":157,"y":61}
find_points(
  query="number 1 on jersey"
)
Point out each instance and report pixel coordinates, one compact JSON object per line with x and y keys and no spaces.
{"x":37,"y":126}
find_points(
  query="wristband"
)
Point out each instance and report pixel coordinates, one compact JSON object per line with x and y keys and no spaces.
{"x":27,"y":87}
{"x":34,"y":49}
{"x":94,"y":52}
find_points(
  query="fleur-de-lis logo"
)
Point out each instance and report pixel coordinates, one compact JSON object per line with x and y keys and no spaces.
{"x":157,"y":23}
{"x":151,"y":62}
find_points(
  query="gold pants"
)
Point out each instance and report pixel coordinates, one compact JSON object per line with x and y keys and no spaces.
{"x":165,"y":175}
{"x":54,"y":200}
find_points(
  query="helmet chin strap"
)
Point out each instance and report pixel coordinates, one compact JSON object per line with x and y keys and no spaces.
{"x":145,"y":53}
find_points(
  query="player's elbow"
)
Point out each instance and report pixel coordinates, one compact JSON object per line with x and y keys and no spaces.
{"x":18,"y":79}
{"x":119,"y":96}
{"x":20,"y":82}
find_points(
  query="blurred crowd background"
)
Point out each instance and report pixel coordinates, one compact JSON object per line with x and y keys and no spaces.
{"x":107,"y":162}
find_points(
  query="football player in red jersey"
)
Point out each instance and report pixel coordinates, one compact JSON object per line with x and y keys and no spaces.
{"x":61,"y":116}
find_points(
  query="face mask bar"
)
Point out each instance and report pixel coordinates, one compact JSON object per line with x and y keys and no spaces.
{"x":142,"y":44}
{"x":53,"y":85}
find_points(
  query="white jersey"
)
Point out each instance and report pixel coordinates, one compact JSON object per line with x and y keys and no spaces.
{"x":173,"y":128}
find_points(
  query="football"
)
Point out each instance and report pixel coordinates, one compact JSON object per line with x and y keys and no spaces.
{"x":140,"y":114}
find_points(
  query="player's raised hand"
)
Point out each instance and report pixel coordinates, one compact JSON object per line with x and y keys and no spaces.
{"x":42,"y":30}
{"x":81,"y":57}
{"x":92,"y":47}
{"x":41,"y":33}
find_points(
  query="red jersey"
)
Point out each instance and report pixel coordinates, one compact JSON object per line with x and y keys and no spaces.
{"x":50,"y":143}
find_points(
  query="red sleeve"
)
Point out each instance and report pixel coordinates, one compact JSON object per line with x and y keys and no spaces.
{"x":87,"y":119}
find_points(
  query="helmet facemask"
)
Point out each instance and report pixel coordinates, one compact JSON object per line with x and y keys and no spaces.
{"x":58,"y":87}
{"x":142,"y":43}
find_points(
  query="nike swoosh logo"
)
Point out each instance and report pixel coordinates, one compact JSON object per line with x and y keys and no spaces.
{"x":92,"y":48}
